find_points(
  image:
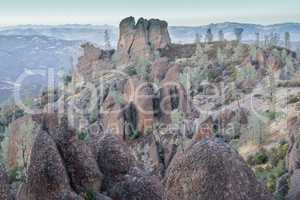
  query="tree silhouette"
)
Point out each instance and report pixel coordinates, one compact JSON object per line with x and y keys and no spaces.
{"x":238,"y":33}
{"x":209,"y":36}
{"x":107,"y":45}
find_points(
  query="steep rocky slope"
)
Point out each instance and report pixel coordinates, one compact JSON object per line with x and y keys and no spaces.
{"x":141,"y":122}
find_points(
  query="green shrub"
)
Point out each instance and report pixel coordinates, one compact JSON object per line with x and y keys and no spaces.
{"x":67,"y":79}
{"x":293,"y":99}
{"x":277,"y":154}
{"x":275,"y":168}
{"x":85,"y":135}
{"x":259,"y":158}
{"x":117,"y":96}
{"x":91,"y":195}
{"x":131,"y":71}
{"x":16,"y":175}
{"x":134,"y":134}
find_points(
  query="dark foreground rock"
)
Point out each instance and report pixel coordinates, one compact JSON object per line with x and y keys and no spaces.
{"x":47,"y":176}
{"x":4,"y":185}
{"x":212,"y":170}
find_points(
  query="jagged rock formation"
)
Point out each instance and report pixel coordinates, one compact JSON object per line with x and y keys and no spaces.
{"x":93,"y":60}
{"x":21,"y":139}
{"x":47,"y":176}
{"x":4,"y":184}
{"x":139,"y":40}
{"x":65,"y":167}
{"x":211,"y":170}
{"x":131,"y":142}
{"x":293,"y":158}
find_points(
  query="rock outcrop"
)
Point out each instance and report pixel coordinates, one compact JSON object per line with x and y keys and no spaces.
{"x":22,"y":134}
{"x":4,"y":184}
{"x":293,"y":158}
{"x":137,"y":186}
{"x":211,"y":170}
{"x":93,"y":59}
{"x":140,"y":40}
{"x":47,"y":176}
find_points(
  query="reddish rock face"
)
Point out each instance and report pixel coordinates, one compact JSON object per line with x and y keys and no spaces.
{"x":141,"y":39}
{"x":172,"y":94}
{"x":22,"y":134}
{"x":211,"y":170}
{"x":92,"y":61}
{"x":141,"y":94}
{"x":47,"y":176}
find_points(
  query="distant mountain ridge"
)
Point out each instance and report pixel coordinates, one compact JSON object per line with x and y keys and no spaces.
{"x":44,"y":46}
{"x":185,"y":34}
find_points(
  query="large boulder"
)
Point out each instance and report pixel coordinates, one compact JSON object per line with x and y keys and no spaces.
{"x":293,"y":158}
{"x":294,"y":193}
{"x":22,"y":134}
{"x":78,"y":158}
{"x":113,"y":157}
{"x":140,"y":40}
{"x":211,"y":169}
{"x":81,"y":166}
{"x":4,"y":184}
{"x":137,"y":187}
{"x":47,"y":177}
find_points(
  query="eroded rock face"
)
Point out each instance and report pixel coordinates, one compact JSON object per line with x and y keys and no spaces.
{"x":93,"y":60}
{"x":211,"y":170}
{"x":141,"y":95}
{"x":293,"y":158}
{"x":47,"y":176}
{"x":141,"y":39}
{"x":137,"y":187}
{"x":294,"y":193}
{"x":113,"y":157}
{"x":22,"y":132}
{"x":4,"y":185}
{"x":81,"y":166}
{"x":294,"y":145}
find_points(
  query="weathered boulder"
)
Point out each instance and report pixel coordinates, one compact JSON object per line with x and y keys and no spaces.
{"x":81,"y":166}
{"x":293,"y":158}
{"x":137,"y":186}
{"x":47,"y":176}
{"x":140,"y":40}
{"x":294,"y":192}
{"x":22,"y":134}
{"x":4,"y":184}
{"x":154,"y":153}
{"x":211,"y":169}
{"x":113,"y":157}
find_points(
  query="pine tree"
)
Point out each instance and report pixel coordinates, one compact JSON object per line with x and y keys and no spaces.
{"x":257,"y":34}
{"x":287,"y":42}
{"x":107,"y":45}
{"x":238,"y":33}
{"x":221,"y":36}
{"x":209,"y":36}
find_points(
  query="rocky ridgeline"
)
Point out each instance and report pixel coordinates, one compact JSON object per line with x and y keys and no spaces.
{"x":141,"y":39}
{"x":120,"y":159}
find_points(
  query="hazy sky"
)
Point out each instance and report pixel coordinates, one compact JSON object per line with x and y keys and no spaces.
{"x":188,"y":12}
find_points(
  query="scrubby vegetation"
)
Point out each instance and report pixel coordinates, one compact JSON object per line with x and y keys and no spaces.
{"x":269,"y":165}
